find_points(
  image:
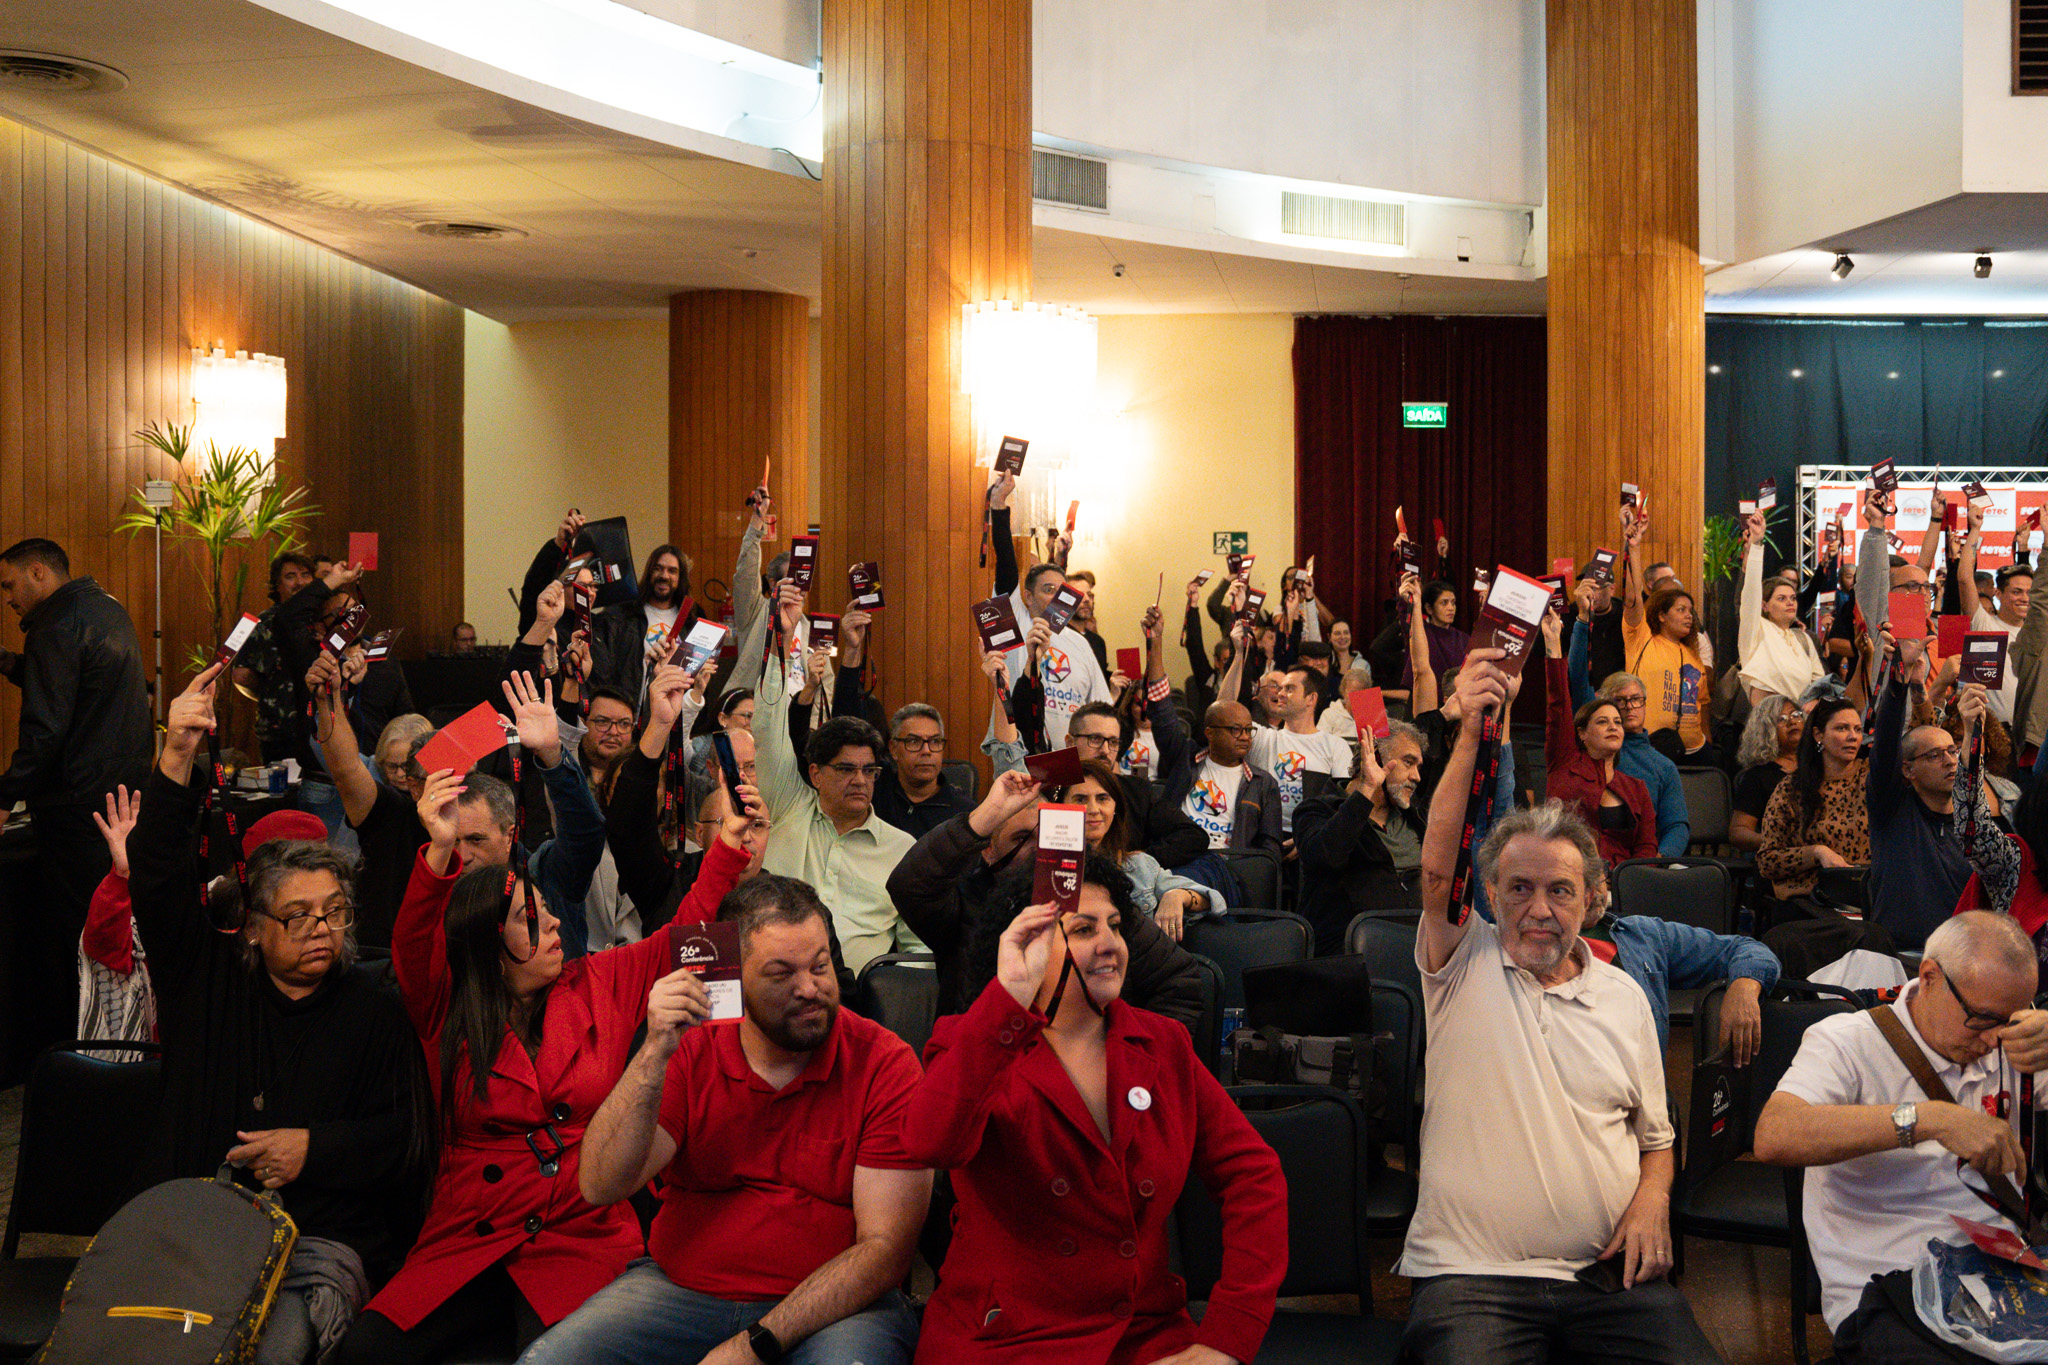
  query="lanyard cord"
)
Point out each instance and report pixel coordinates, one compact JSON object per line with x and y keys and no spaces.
{"x":1485,"y":773}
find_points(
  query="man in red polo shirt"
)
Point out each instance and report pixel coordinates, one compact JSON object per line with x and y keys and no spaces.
{"x":789,"y":1209}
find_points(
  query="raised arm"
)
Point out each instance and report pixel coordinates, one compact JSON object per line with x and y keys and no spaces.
{"x":625,"y":1144}
{"x":1749,"y":610}
{"x":1480,"y":685}
{"x":999,"y":490}
{"x":1930,"y":539}
{"x":1560,"y":739}
{"x":337,"y":740}
{"x":163,"y":875}
{"x":1965,"y":575}
{"x":1426,"y":689}
{"x":776,"y":759}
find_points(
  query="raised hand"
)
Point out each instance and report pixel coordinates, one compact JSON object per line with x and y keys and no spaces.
{"x":565,"y":534}
{"x":789,"y":606}
{"x":677,"y":1002}
{"x":123,"y":807}
{"x":552,"y":602}
{"x":437,"y":815}
{"x":1023,"y":951}
{"x":853,"y":630}
{"x":999,"y":491}
{"x":749,"y":825}
{"x":1553,"y":634}
{"x":190,"y":717}
{"x":576,"y":659}
{"x":1151,"y":624}
{"x":1194,"y":592}
{"x":340,"y":575}
{"x":665,"y":696}
{"x":533,"y":710}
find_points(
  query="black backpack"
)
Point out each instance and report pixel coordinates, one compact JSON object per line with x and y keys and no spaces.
{"x":1310,"y":1023}
{"x":184,"y":1274}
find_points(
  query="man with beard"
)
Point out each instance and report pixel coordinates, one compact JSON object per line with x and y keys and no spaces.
{"x":1361,"y":848}
{"x":790,"y":1209}
{"x":641,"y":630}
{"x":1550,"y":1156}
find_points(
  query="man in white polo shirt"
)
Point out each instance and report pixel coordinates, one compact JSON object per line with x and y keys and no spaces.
{"x":1886,"y":1174}
{"x":1547,"y":1160}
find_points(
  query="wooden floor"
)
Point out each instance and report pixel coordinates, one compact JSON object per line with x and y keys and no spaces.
{"x":1736,"y":1292}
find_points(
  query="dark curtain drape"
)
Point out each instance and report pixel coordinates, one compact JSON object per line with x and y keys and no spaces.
{"x":1354,"y":463}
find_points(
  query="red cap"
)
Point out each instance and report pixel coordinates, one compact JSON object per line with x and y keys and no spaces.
{"x":282,"y":824}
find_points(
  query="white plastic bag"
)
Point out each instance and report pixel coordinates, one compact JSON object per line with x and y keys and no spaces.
{"x":1932,"y":1307}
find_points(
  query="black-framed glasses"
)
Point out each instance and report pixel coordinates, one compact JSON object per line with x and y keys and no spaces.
{"x":870,"y":771}
{"x":922,"y":744}
{"x":615,"y":725}
{"x":336,"y":915}
{"x":1099,"y":741}
{"x":1241,"y":731}
{"x":1977,"y":1020}
{"x":1629,"y":703}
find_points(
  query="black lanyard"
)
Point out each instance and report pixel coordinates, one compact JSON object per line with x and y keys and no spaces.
{"x":217,"y":810}
{"x":1485,"y":772}
{"x":517,"y":869}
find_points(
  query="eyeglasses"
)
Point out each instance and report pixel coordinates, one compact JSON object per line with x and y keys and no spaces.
{"x":1629,"y":703}
{"x":1241,"y":731}
{"x":1096,"y":741}
{"x":1973,"y":1018}
{"x":1934,"y":751}
{"x":922,"y":744}
{"x":870,"y":771}
{"x":613,"y":726}
{"x":335,"y":915}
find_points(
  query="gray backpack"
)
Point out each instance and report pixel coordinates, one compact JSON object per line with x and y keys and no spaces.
{"x":184,"y":1274}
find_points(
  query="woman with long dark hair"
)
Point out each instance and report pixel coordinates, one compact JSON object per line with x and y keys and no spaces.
{"x":1170,"y":899}
{"x":1817,"y":817}
{"x":1071,"y":1121}
{"x":509,"y":1241}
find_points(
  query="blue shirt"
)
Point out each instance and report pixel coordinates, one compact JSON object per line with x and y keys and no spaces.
{"x":1661,"y":956}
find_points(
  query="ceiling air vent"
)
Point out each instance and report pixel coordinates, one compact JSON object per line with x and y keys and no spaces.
{"x":51,"y":74}
{"x":1349,"y":220}
{"x":1074,"y":181}
{"x":470,"y":232}
{"x":2030,"y":47}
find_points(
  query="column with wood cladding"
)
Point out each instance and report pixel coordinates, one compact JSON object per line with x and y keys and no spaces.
{"x":1627,"y":349}
{"x":738,"y":394}
{"x":927,"y":208}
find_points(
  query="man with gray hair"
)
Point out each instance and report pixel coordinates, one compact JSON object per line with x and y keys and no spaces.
{"x":1361,"y":848}
{"x":912,"y":793}
{"x":1886,"y":1155}
{"x":1547,"y":1159}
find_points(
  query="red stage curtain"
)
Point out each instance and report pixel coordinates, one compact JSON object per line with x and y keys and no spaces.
{"x":1354,"y":462}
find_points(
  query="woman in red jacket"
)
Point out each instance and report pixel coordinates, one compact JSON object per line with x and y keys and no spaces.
{"x":1580,"y":752}
{"x":1071,"y":1121}
{"x":508,"y":1239}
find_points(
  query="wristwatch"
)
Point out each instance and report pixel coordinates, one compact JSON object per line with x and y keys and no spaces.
{"x":764,"y":1344}
{"x":1905,"y":1118}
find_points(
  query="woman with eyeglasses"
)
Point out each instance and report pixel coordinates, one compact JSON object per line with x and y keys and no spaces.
{"x":1662,"y":644}
{"x":509,"y":1240}
{"x":1817,"y":817}
{"x":279,"y":1059}
{"x":1778,"y":657}
{"x":1071,"y":1121}
{"x":1768,"y":753}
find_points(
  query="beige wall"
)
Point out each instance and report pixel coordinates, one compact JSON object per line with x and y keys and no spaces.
{"x":577,"y":413}
{"x":1207,"y":442}
{"x":557,"y":414}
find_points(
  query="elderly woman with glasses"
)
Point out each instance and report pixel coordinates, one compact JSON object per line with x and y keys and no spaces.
{"x":278,"y":1059}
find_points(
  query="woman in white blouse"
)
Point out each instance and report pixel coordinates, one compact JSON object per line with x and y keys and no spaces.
{"x":1778,"y":656}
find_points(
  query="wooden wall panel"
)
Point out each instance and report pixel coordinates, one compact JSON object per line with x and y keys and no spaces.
{"x":927,"y":208}
{"x":739,"y":381}
{"x":1627,"y":309}
{"x":107,"y":280}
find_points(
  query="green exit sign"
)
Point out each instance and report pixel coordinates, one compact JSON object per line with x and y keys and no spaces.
{"x":1431,"y":415}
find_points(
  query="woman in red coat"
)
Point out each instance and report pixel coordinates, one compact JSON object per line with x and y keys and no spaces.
{"x":1071,"y":1121}
{"x":1580,"y":752}
{"x":508,"y":1237}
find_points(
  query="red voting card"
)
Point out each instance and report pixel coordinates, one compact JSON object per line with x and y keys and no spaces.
{"x":237,"y":637}
{"x":1974,"y":491}
{"x":1010,"y":455}
{"x":1563,"y":567}
{"x":1127,"y":663}
{"x":1984,"y":658}
{"x":362,"y":548}
{"x":1254,"y":603}
{"x":1061,"y":610}
{"x":1055,"y":768}
{"x":1508,"y":622}
{"x":1556,"y":582}
{"x":1744,"y":507}
{"x":1603,"y":565}
{"x":997,"y":624}
{"x":1884,"y":476}
{"x":1952,"y":518}
{"x":711,"y":950}
{"x":379,"y":647}
{"x":1240,"y":566}
{"x":1202,"y":577}
{"x":803,"y":561}
{"x":866,"y":582}
{"x":2001,"y":1242}
{"x":1437,"y":525}
{"x":1908,"y":615}
{"x":465,"y":741}
{"x":1400,"y":524}
{"x":347,"y":628}
{"x":824,"y":631}
{"x":1949,"y":639}
{"x":1062,"y":852}
{"x":1369,"y":713}
{"x":1073,"y":510}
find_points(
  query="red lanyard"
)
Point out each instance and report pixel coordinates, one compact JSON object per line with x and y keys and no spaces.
{"x":1485,"y":772}
{"x":216,"y":807}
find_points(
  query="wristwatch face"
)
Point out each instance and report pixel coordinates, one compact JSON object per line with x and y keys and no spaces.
{"x":1904,"y":1118}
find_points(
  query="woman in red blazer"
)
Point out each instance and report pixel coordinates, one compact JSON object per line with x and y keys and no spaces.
{"x":508,"y":1237}
{"x":1580,"y":752}
{"x":1071,"y":1121}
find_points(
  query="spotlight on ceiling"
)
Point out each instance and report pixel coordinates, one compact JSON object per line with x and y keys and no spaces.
{"x":1842,"y":266}
{"x":1982,"y":270}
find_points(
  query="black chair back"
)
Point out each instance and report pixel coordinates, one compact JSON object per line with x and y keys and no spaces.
{"x":962,"y":777}
{"x":1208,"y":1029}
{"x":1319,"y":1135}
{"x":1257,"y":871}
{"x":1691,"y":891}
{"x":1249,"y":938}
{"x":83,"y":1120}
{"x":900,"y":991}
{"x":1397,"y":1042}
{"x":1709,"y":801}
{"x":1389,"y":946}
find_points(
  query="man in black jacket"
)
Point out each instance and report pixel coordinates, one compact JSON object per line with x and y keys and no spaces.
{"x":1361,"y":848}
{"x":84,"y":729}
{"x":664,"y":612}
{"x":941,"y":885}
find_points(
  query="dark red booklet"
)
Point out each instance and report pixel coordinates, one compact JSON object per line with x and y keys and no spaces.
{"x":1510,"y":619}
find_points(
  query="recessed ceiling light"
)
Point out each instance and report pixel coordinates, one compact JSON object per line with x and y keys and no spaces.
{"x":470,"y":232}
{"x":51,"y":73}
{"x":1799,"y":374}
{"x":1893,"y":375}
{"x":1998,"y":374}
{"x":1713,"y":369}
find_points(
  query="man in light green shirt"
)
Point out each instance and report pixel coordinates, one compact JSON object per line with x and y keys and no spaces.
{"x":826,"y":831}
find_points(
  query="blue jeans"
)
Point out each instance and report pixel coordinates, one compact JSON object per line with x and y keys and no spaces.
{"x":645,"y":1318}
{"x":1513,"y":1320}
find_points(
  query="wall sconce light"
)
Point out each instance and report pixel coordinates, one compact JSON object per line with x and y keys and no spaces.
{"x":241,"y":401}
{"x":1028,"y":369}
